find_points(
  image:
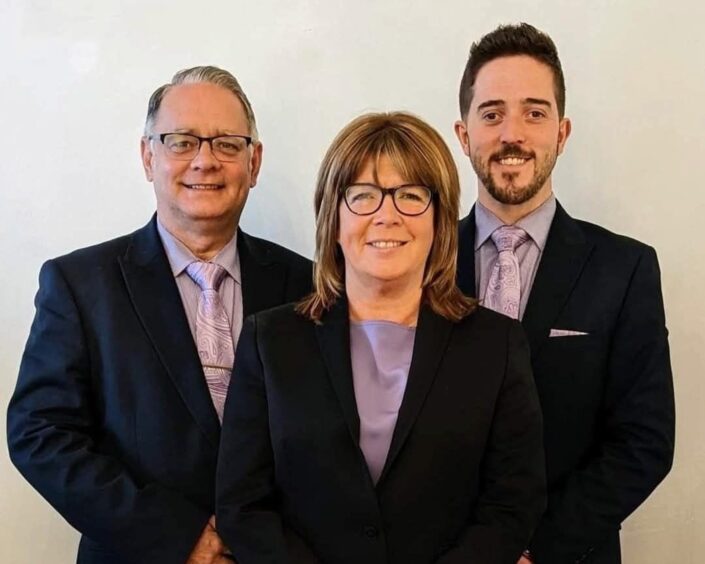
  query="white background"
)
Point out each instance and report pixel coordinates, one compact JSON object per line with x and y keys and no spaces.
{"x":76,"y":76}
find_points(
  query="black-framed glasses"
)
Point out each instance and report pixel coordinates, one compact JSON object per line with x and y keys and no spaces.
{"x":185,"y":146}
{"x":408,"y":199}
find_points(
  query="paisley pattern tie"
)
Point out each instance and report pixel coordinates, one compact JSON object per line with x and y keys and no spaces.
{"x":504,"y":288}
{"x":213,"y":334}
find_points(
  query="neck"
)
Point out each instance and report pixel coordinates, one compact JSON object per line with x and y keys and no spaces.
{"x":383,"y":301}
{"x":203,"y":239}
{"x":509,"y":214}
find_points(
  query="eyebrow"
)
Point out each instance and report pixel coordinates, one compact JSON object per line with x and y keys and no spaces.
{"x":490,"y":103}
{"x":192,"y":131}
{"x":524,"y":101}
{"x":536,"y":101}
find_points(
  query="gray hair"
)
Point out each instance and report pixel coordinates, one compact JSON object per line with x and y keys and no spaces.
{"x":195,"y":75}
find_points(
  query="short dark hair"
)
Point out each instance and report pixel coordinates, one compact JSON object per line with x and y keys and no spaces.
{"x":505,"y":41}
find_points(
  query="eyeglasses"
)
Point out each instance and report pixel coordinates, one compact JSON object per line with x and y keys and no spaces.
{"x":408,"y":199}
{"x":185,"y":147}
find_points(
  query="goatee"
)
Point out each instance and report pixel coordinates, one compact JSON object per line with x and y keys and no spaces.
{"x":509,"y":193}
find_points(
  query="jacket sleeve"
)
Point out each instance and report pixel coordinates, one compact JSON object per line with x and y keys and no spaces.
{"x":634,"y":451}
{"x":52,"y":431}
{"x":246,"y":501}
{"x":513,"y":489}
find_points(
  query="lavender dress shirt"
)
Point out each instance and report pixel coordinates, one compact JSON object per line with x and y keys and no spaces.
{"x":381,"y":355}
{"x":537,"y":225}
{"x":230,"y":290}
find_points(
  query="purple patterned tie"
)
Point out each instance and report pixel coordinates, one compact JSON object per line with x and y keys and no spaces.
{"x":504,"y":288}
{"x":214,"y":338}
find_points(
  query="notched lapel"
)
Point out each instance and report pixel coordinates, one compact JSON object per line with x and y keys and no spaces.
{"x":263,"y":281}
{"x":562,"y":262}
{"x":334,"y":340}
{"x":430,"y":343}
{"x":155,"y":297}
{"x":466,"y":255}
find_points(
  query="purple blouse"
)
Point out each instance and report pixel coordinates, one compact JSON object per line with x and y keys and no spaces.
{"x":381,"y":355}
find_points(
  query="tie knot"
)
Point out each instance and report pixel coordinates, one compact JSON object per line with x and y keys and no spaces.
{"x":208,"y":275}
{"x":508,"y":237}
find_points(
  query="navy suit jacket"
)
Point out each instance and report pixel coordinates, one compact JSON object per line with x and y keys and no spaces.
{"x":607,"y":397}
{"x":111,"y":420}
{"x":464,"y":477}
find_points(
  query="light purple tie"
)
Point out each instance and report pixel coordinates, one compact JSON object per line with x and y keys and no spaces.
{"x":504,"y":288}
{"x":214,"y":338}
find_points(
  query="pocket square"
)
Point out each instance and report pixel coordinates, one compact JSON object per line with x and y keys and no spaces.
{"x":566,"y":333}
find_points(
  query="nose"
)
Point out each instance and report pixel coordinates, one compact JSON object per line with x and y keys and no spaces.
{"x":205,"y":159}
{"x":387,"y":213}
{"x":512,"y":130}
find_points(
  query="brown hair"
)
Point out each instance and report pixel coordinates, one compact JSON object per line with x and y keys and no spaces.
{"x":507,"y":41}
{"x":420,"y":155}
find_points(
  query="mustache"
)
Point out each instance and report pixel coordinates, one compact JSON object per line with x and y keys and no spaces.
{"x":512,"y":151}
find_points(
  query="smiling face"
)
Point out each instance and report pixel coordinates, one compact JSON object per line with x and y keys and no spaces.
{"x":203,"y":194}
{"x":384,"y":247}
{"x":512,"y":132}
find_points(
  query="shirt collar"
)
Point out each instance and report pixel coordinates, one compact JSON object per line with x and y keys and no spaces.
{"x":180,"y":256}
{"x":536,"y":224}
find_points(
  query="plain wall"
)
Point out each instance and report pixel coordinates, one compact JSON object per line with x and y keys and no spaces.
{"x":76,"y":76}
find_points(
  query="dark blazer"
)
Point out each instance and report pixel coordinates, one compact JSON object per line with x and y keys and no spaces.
{"x":111,"y":420}
{"x":607,"y":397}
{"x":464,"y":478}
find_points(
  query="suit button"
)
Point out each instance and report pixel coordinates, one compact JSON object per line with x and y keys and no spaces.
{"x":371,"y":532}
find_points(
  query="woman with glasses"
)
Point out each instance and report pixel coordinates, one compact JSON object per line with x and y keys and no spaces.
{"x":387,"y":418}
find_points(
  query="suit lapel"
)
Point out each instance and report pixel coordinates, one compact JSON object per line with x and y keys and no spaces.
{"x":466,"y":254}
{"x":333,"y":335}
{"x":262,"y":279}
{"x":562,"y":262}
{"x":156,"y":299}
{"x":432,"y":334}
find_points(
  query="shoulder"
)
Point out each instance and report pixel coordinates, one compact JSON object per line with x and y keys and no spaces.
{"x":283,"y":318}
{"x":86,"y":261}
{"x":272,"y":252}
{"x":608,"y":244}
{"x":610,"y":240}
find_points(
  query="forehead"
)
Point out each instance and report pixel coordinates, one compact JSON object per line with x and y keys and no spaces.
{"x":201,"y":108}
{"x":512,"y":79}
{"x":381,"y":169}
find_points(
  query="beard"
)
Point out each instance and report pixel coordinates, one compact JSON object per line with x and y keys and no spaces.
{"x":509,"y":192}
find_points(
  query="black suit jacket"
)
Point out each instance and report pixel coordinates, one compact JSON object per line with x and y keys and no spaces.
{"x":464,"y":478}
{"x":111,"y":420}
{"x":607,"y":397}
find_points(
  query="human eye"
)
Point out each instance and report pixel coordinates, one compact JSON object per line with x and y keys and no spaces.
{"x":361,"y":193}
{"x":229,"y":145}
{"x":536,"y":114}
{"x":180,"y":143}
{"x":413,"y":194}
{"x":491,"y":117}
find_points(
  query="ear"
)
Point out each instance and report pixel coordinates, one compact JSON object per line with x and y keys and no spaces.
{"x":147,"y":156}
{"x":564,"y":129}
{"x":255,"y":163}
{"x":461,"y":132}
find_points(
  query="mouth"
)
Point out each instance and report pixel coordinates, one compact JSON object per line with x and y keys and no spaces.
{"x":512,"y":161}
{"x":386,"y":244}
{"x":203,"y":186}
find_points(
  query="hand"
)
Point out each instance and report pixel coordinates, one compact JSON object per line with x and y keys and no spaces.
{"x":209,"y":548}
{"x":524,"y":560}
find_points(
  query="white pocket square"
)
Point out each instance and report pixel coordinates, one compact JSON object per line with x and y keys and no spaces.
{"x":566,"y":333}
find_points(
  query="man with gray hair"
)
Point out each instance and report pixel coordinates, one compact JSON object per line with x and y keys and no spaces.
{"x":115,"y":419}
